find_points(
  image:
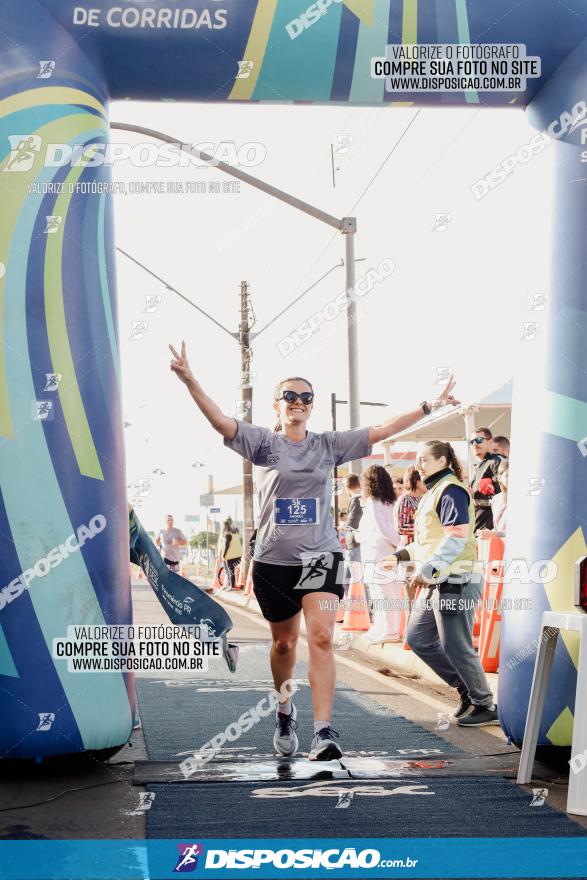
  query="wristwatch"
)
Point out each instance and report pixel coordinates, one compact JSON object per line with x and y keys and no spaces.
{"x":426,"y":408}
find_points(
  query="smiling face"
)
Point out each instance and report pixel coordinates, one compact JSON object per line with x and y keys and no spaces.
{"x":293,"y":413}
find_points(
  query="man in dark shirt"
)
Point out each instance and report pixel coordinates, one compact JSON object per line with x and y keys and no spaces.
{"x":354,"y":514}
{"x":484,"y":484}
{"x":352,"y":553}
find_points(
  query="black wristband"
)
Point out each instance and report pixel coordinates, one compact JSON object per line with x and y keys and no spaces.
{"x":426,"y":408}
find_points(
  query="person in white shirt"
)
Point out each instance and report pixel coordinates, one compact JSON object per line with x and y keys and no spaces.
{"x":169,"y":541}
{"x":379,"y":538}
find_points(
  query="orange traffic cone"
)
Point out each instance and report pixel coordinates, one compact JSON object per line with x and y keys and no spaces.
{"x":477,"y":628}
{"x":218,"y":571}
{"x":356,"y":615}
{"x":249,"y":584}
{"x":239,"y":579}
{"x":489,"y":636}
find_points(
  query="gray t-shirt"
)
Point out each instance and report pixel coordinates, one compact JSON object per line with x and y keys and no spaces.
{"x":295,"y":486}
{"x":170,"y":550}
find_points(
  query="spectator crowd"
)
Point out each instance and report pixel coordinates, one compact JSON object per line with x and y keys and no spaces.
{"x":379,"y":520}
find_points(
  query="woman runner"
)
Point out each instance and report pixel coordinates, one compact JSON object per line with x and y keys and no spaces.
{"x":297,"y":554}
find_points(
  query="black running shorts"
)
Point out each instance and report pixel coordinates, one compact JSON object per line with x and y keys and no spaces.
{"x":280,"y":588}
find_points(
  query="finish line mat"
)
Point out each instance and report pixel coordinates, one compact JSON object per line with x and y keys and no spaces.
{"x":363,"y":795}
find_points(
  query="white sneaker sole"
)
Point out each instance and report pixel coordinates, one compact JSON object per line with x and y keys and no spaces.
{"x":329,"y":752}
{"x":286,"y":754}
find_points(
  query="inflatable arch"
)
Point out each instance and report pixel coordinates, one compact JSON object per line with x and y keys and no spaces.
{"x":63,"y":512}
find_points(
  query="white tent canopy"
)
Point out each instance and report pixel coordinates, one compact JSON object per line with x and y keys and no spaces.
{"x":457,"y":423}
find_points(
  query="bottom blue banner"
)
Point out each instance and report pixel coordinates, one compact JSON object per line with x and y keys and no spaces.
{"x":287,"y":857}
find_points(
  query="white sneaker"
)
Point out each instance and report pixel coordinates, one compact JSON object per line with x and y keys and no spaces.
{"x":285,"y":739}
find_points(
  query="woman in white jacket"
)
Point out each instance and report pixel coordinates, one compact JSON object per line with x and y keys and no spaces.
{"x":378,"y":538}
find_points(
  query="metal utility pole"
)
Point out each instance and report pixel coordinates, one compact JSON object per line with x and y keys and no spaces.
{"x":247,"y":414}
{"x":210,"y":504}
{"x":349,"y":229}
{"x":335,"y":472}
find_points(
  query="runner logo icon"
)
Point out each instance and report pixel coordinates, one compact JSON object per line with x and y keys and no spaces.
{"x":314,"y":571}
{"x":539,"y":796}
{"x":23,"y":152}
{"x":188,"y":857}
{"x":46,"y":720}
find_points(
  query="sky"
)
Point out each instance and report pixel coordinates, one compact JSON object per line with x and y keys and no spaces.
{"x":463,"y":270}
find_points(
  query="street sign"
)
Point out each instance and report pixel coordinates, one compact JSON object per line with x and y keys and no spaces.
{"x":207,"y":500}
{"x":214,"y":510}
{"x":192,"y":517}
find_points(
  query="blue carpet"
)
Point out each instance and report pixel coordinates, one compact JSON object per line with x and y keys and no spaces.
{"x":438,"y":807}
{"x":180,"y":716}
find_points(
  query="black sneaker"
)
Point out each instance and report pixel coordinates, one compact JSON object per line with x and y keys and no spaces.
{"x":479,"y":716}
{"x":323,"y":746}
{"x":463,"y":705}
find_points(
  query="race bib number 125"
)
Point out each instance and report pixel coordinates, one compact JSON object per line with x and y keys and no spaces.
{"x":296,"y":511}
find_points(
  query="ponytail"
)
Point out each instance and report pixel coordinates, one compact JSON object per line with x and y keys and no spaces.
{"x":440,"y":449}
{"x":454,"y":463}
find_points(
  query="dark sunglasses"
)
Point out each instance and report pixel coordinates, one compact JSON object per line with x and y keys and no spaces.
{"x":478,"y":441}
{"x":306,"y":397}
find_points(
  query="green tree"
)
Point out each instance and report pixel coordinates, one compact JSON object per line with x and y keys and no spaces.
{"x":199,"y":540}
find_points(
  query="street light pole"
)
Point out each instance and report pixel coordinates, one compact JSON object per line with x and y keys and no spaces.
{"x":247,"y":405}
{"x":349,"y":231}
{"x":335,"y":473}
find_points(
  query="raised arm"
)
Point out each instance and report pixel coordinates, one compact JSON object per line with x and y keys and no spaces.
{"x":222,"y":423}
{"x":406,"y":420}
